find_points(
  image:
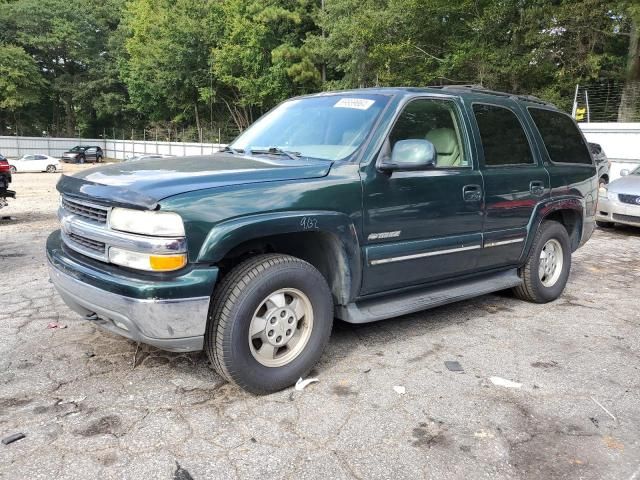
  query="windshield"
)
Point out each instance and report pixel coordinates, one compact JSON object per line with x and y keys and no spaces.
{"x":77,"y":149}
{"x":329,"y":127}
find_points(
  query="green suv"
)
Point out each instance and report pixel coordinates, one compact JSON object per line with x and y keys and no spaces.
{"x":359,"y":205}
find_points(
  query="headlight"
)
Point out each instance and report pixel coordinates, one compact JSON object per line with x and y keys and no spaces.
{"x":602,"y":190}
{"x":146,"y":261}
{"x":158,"y":224}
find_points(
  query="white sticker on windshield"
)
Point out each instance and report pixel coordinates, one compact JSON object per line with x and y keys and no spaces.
{"x":357,"y":103}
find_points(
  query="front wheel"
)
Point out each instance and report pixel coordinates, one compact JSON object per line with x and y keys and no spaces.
{"x":546,"y":270}
{"x":269,"y":322}
{"x":51,"y":168}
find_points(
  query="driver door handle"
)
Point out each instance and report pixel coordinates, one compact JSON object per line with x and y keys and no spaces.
{"x":472,"y":193}
{"x":536,"y":188}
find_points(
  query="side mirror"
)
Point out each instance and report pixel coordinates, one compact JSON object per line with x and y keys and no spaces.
{"x":410,"y":155}
{"x":624,"y":172}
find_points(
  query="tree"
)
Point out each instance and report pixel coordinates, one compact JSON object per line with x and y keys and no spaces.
{"x":167,"y":69}
{"x":629,"y":110}
{"x":20,"y":80}
{"x":67,"y":39}
{"x":260,"y":58}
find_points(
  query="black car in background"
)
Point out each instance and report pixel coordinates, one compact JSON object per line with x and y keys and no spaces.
{"x":5,"y":180}
{"x":83,"y":153}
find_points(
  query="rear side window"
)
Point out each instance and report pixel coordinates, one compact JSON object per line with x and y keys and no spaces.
{"x":503,"y":139}
{"x":561,"y":136}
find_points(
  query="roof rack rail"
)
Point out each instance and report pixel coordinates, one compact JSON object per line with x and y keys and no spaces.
{"x":481,"y":89}
{"x":532,"y":99}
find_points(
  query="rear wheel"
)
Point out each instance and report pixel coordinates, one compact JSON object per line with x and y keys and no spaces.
{"x":269,"y":322}
{"x":51,"y":168}
{"x":547,"y":268}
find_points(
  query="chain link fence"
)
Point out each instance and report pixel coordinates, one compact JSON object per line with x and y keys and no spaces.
{"x":607,"y":102}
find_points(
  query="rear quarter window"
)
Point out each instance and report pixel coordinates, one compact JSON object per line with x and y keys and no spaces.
{"x":561,"y":136}
{"x":504,"y":141}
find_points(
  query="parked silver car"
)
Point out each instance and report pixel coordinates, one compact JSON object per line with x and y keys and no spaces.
{"x":619,"y":201}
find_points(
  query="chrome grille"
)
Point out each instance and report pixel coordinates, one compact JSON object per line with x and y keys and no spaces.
{"x":87,"y":242}
{"x":90,"y":211}
{"x":630,"y":199}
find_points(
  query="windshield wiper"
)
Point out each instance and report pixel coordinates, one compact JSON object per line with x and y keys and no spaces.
{"x":274,"y":151}
{"x":230,"y":150}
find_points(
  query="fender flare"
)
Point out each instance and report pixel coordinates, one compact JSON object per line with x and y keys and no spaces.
{"x":226,"y":235}
{"x":544,"y":209}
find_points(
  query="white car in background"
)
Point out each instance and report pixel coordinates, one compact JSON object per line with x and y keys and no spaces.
{"x":35,"y":163}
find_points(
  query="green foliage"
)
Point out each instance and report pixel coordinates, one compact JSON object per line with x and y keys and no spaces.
{"x":20,"y":80}
{"x":78,"y":66}
{"x":166,"y":68}
{"x":259,"y":58}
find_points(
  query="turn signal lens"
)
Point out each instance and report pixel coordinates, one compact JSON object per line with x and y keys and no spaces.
{"x":145,"y":261}
{"x":167,"y":262}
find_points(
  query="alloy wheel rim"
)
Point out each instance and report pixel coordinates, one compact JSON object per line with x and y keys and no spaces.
{"x":551,"y":263}
{"x":281,"y":327}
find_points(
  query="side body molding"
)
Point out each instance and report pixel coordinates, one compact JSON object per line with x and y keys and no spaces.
{"x":338,"y":229}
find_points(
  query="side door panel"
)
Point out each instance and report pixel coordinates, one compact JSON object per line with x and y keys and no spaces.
{"x":417,"y":225}
{"x":515,"y":181}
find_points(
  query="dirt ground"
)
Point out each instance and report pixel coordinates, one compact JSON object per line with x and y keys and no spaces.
{"x":93,"y":405}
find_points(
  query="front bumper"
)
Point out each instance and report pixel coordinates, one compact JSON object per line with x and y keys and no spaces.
{"x":615,"y":211}
{"x":153,"y":311}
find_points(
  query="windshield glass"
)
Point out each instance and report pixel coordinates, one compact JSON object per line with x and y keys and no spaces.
{"x":77,"y":149}
{"x":328,"y":127}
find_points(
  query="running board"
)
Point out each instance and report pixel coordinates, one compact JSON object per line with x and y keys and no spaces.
{"x":393,"y":306}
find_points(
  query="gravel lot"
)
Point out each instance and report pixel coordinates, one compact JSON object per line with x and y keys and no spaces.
{"x":92,"y":405}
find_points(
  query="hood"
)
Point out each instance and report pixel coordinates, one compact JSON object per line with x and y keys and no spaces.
{"x":144,"y":183}
{"x":629,"y":184}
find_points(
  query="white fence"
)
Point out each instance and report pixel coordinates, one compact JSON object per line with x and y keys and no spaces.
{"x":118,"y":149}
{"x":620,"y":141}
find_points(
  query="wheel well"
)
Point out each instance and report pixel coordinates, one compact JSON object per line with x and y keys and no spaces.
{"x":323,"y":250}
{"x":572,"y":221}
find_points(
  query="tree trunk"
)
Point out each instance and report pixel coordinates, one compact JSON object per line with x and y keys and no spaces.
{"x":195,"y":108}
{"x":629,"y":109}
{"x":70,"y":117}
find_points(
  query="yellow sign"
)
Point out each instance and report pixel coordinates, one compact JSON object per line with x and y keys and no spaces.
{"x":580,"y":112}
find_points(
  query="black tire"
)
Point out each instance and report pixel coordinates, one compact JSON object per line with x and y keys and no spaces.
{"x":13,"y":169}
{"x":233,"y":305}
{"x":51,"y":169}
{"x":532,"y":288}
{"x":605,"y":224}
